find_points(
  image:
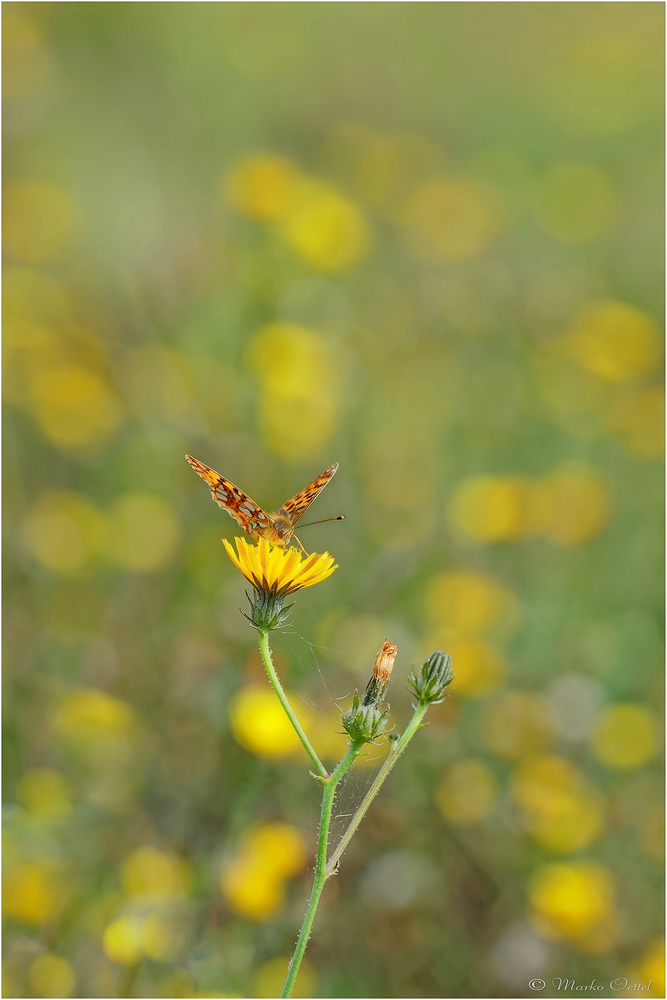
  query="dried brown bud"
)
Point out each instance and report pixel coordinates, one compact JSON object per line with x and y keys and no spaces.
{"x":382,"y":668}
{"x":384,"y":662}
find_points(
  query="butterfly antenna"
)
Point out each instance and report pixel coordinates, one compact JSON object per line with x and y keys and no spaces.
{"x":341,"y":517}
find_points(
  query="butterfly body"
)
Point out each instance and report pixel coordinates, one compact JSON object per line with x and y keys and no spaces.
{"x":277,"y":528}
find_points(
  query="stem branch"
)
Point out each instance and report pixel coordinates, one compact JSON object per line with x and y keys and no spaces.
{"x":393,"y":755}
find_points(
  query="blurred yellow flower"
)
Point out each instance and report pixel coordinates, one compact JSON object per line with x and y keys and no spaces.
{"x":560,"y":809}
{"x":51,"y":976}
{"x":298,"y":370}
{"x":269,"y":978}
{"x":467,"y":793}
{"x":73,"y":406}
{"x":27,"y":63}
{"x":262,"y":187}
{"x":515,"y":725}
{"x":90,"y":718}
{"x":636,"y":420}
{"x":625,"y":736}
{"x":65,"y":533}
{"x":143,"y":532}
{"x":279,"y":571}
{"x":253,"y":881}
{"x":576,"y":203}
{"x":31,"y":296}
{"x":259,"y":724}
{"x":491,"y":508}
{"x":325,"y":227}
{"x":480,"y":667}
{"x":31,"y":893}
{"x":615,"y":342}
{"x":44,"y":793}
{"x":450,"y":219}
{"x":571,"y":505}
{"x":571,"y":901}
{"x":651,"y":965}
{"x":154,"y":874}
{"x":470,"y":603}
{"x":122,"y":940}
{"x":39,"y":221}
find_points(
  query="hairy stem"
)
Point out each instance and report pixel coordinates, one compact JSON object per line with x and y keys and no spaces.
{"x":265,"y":653}
{"x":395,"y":752}
{"x":321,"y":870}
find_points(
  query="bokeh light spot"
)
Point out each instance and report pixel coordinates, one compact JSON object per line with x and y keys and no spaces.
{"x":51,"y":976}
{"x":122,"y":940}
{"x":325,"y":228}
{"x":479,"y":666}
{"x":144,"y":533}
{"x":44,"y":793}
{"x":516,"y":724}
{"x":270,"y":977}
{"x":262,"y":187}
{"x":65,"y":533}
{"x":491,"y":508}
{"x":30,"y":894}
{"x":27,"y":63}
{"x":298,"y":373}
{"x":470,"y":603}
{"x":253,"y":880}
{"x":150,"y":872}
{"x":570,"y":899}
{"x":260,"y":725}
{"x":467,"y":793}
{"x":615,"y":342}
{"x":636,"y":420}
{"x":571,"y":505}
{"x":625,"y":736}
{"x":449,"y":220}
{"x":561,"y":811}
{"x":39,"y":221}
{"x":89,"y":718}
{"x":74,"y":406}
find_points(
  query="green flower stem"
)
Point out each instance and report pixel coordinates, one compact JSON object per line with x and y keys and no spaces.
{"x":393,"y":755}
{"x":265,"y":653}
{"x":321,"y":871}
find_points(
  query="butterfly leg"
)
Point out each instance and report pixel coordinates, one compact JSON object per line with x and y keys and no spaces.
{"x":300,"y":545}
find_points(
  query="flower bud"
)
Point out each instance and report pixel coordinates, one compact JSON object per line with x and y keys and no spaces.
{"x":428,"y":683}
{"x":382,"y":668}
{"x":363,"y":723}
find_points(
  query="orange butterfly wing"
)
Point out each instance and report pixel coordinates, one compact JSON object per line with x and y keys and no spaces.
{"x":238,"y":504}
{"x":299,"y":504}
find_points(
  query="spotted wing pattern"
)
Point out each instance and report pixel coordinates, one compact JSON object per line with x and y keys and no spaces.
{"x":238,"y":504}
{"x":300,"y":503}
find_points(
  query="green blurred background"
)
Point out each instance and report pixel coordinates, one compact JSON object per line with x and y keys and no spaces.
{"x":424,"y":241}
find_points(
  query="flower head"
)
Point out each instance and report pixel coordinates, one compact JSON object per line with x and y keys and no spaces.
{"x":275,"y":573}
{"x":278,"y":571}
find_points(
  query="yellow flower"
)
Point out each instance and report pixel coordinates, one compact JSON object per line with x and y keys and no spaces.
{"x":278,"y":572}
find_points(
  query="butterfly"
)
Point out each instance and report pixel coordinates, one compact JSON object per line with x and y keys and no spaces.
{"x":277,"y":528}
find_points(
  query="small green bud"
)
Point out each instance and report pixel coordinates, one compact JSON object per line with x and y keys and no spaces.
{"x":428,"y":683}
{"x":267,"y":610}
{"x":364,"y":723}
